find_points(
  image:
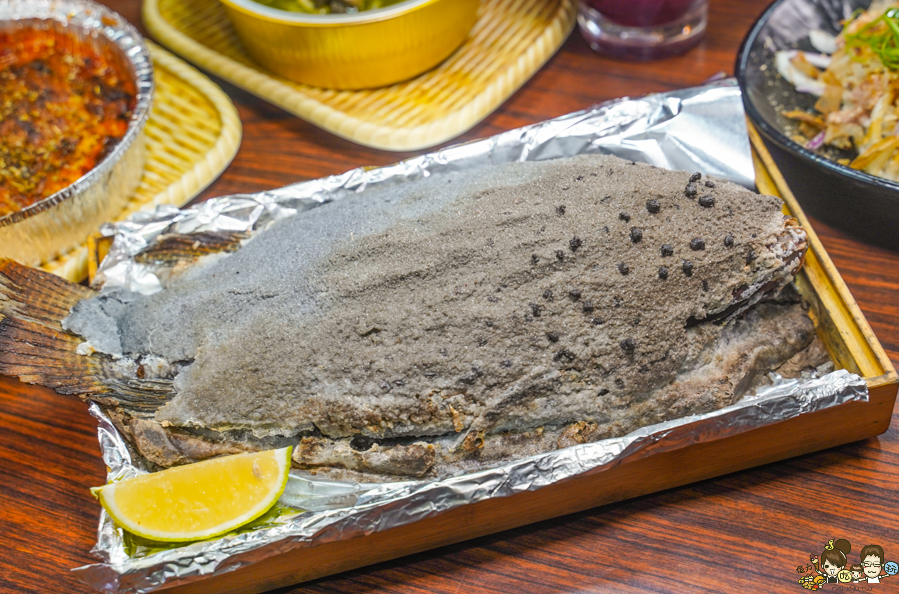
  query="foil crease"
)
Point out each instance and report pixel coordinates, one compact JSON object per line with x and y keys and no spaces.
{"x":700,"y":129}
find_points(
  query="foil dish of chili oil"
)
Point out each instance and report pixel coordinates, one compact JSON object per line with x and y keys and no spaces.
{"x":65,"y":101}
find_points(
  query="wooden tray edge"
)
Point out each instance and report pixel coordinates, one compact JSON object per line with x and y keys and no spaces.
{"x":868,"y":355}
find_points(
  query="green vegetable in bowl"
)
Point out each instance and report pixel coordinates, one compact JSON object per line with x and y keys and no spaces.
{"x":881,"y":36}
{"x":327,"y":6}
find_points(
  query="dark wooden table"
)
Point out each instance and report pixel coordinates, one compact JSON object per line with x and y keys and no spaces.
{"x":746,"y":531}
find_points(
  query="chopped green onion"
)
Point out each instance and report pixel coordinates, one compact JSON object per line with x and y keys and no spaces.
{"x":880,"y":36}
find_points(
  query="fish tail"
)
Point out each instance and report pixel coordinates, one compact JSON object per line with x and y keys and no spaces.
{"x":33,"y":344}
{"x":35,"y":347}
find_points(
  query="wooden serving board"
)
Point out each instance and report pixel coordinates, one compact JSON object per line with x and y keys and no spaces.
{"x":841,"y":326}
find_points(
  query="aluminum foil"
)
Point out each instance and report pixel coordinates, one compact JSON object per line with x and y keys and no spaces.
{"x":701,"y":129}
{"x":338,"y":511}
{"x":64,"y":219}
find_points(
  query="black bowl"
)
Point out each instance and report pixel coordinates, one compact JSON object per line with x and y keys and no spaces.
{"x":854,"y":201}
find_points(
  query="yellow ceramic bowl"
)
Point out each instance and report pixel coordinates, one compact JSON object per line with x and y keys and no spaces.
{"x":368,"y":49}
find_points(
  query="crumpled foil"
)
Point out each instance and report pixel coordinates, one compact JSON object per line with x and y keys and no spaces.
{"x":701,"y":129}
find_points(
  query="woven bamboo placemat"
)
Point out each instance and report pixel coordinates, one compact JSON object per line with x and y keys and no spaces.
{"x":511,"y":40}
{"x":193,"y":133}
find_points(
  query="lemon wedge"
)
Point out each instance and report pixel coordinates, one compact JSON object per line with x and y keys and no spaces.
{"x":199,"y":500}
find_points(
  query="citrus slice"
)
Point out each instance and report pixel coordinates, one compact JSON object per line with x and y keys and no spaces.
{"x":199,"y":500}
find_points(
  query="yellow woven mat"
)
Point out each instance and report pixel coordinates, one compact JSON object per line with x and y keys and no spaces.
{"x":511,"y":40}
{"x":193,"y":133}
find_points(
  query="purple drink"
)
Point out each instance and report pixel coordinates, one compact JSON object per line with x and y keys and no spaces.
{"x":643,"y":29}
{"x":643,"y":13}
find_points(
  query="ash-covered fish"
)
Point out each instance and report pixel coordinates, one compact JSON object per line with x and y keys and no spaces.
{"x":434,"y":325}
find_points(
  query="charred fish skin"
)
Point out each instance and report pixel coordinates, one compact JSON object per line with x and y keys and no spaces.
{"x":448,"y":312}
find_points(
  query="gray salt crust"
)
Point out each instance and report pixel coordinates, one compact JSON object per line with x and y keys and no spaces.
{"x":426,"y":308}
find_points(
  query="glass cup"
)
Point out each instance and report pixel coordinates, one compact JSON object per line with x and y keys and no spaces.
{"x":643,"y":29}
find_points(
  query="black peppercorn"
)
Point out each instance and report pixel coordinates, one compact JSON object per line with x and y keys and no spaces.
{"x":709,"y":183}
{"x":729,"y":240}
{"x":624,"y":217}
{"x":623,"y":268}
{"x":707,"y":201}
{"x":588,"y":306}
{"x":636,"y":234}
{"x":574,"y":293}
{"x":535,"y":309}
{"x":663,"y":272}
{"x":628,"y":344}
{"x":575,"y":243}
{"x":687,"y":267}
{"x":552,"y":336}
{"x":691,"y":190}
{"x":560,"y":255}
{"x":564,"y":353}
{"x":548,"y":295}
{"x":667,"y":250}
{"x":534,"y":258}
{"x":597,"y":321}
{"x":696,"y":177}
{"x":697,"y":244}
{"x":560,"y":209}
{"x":653,"y":206}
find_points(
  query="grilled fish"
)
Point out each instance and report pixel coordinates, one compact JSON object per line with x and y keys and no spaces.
{"x":436,"y":325}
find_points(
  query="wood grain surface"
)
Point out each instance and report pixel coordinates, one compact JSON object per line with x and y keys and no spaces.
{"x":747,"y":531}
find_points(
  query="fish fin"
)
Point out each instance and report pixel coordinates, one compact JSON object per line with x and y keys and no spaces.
{"x":38,"y":354}
{"x":37,"y":295}
{"x":173,"y":249}
{"x":138,"y":398}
